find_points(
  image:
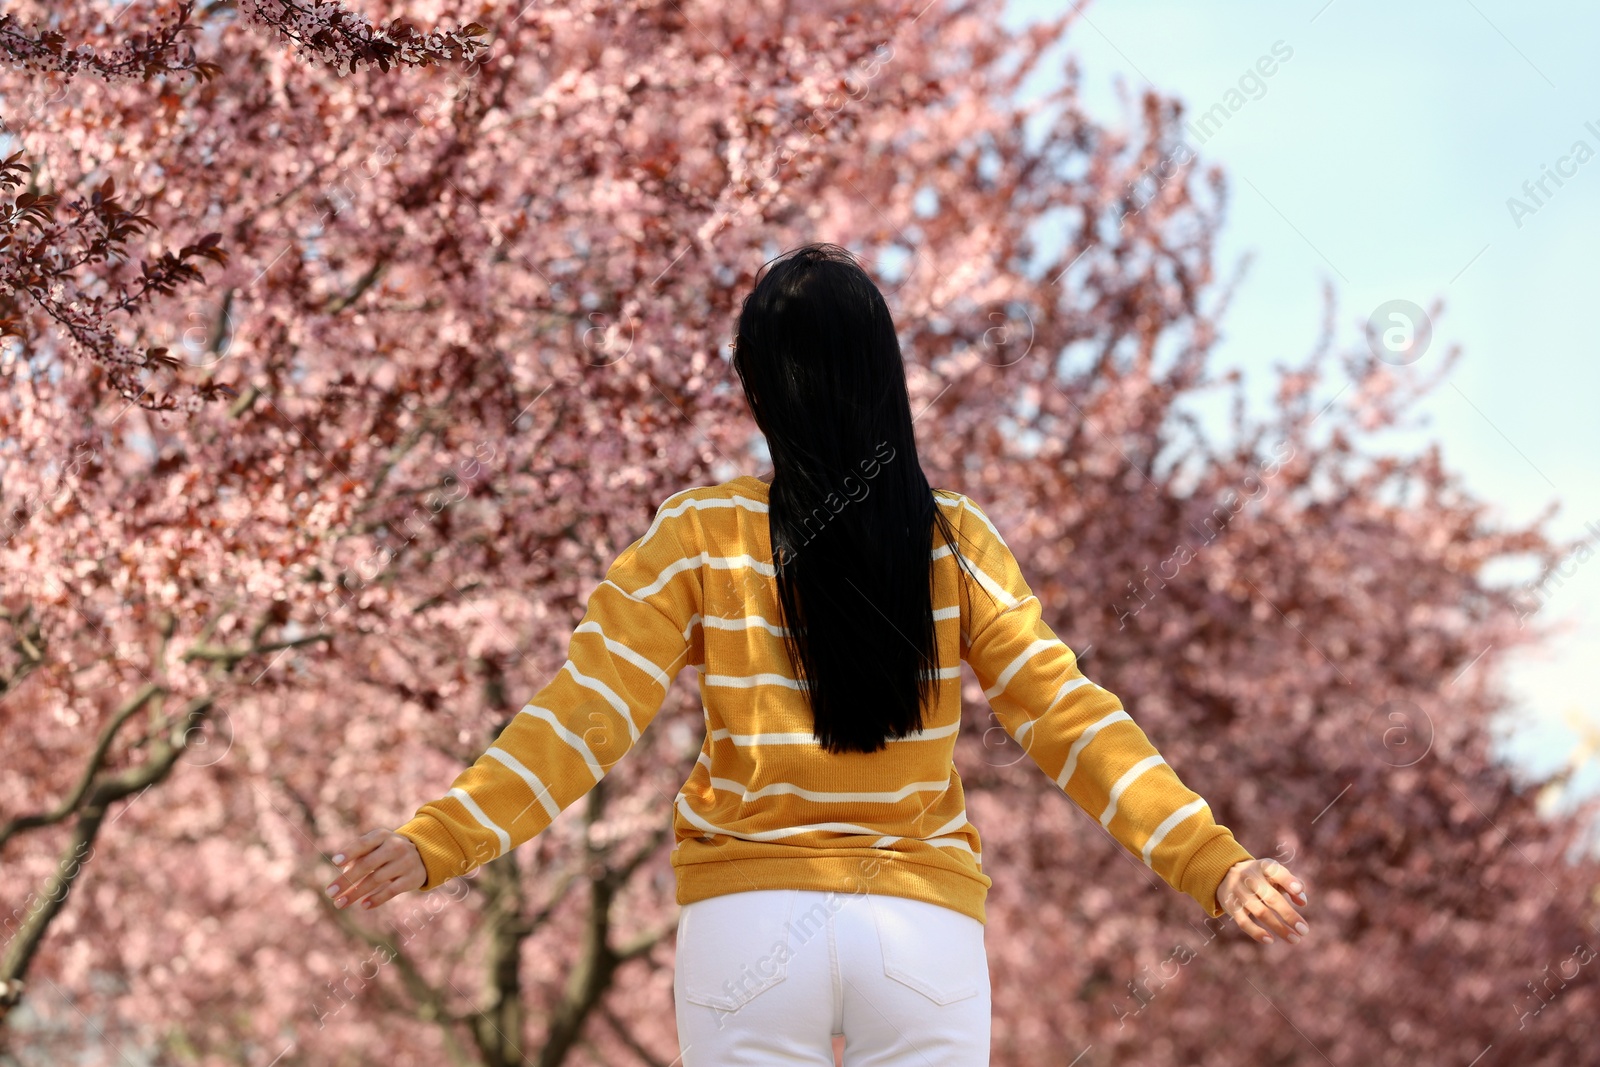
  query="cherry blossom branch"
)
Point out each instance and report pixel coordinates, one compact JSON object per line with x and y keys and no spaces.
{"x":42,"y":272}
{"x":39,"y":270}
{"x":321,"y":31}
{"x":159,"y":50}
{"x":326,"y":32}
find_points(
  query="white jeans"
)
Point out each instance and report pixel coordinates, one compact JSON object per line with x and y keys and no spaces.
{"x":769,"y":976}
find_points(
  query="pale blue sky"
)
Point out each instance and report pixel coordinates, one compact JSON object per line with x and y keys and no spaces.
{"x":1380,"y":157}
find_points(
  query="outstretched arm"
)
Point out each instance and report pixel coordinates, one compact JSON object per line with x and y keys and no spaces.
{"x":1081,"y":736}
{"x":639,"y":629}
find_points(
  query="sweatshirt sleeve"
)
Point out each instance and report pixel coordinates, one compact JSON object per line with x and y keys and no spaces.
{"x":1078,"y":733}
{"x":639,"y":629}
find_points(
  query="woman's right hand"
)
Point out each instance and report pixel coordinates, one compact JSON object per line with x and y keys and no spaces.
{"x":1251,"y":893}
{"x":377,"y":866}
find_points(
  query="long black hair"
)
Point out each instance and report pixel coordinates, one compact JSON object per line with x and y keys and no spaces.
{"x":851,"y":515}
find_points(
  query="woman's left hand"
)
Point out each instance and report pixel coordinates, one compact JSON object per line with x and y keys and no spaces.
{"x":380,"y":865}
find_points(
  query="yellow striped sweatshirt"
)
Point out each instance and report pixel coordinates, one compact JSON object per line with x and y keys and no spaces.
{"x":766,"y":807}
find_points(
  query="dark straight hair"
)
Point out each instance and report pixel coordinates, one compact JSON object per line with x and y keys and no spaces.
{"x":850,"y":514}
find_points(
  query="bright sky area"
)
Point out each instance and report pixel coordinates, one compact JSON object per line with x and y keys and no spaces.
{"x":1381,"y":156}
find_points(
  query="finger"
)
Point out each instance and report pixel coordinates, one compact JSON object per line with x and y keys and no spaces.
{"x":365,"y":844}
{"x":386,"y":890}
{"x":362,"y":847}
{"x":371,"y":880}
{"x":357,"y":870}
{"x":402,"y":875}
{"x":1264,"y":918}
{"x":346,"y":884}
{"x":1272,"y":910}
{"x":1249,"y":925}
{"x":1283,"y":877}
{"x":1279,"y":903}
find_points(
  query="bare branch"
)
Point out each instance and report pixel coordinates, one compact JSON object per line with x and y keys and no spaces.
{"x":163,"y":756}
{"x":627,"y":1038}
{"x":230,"y":657}
{"x":91,"y":767}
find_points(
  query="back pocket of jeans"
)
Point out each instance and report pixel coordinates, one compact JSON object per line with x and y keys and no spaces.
{"x":933,"y":949}
{"x":732,"y":952}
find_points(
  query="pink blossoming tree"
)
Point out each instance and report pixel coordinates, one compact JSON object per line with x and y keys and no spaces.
{"x":344,"y":353}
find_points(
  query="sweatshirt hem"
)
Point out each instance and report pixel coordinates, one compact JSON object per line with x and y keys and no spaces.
{"x":839,"y":874}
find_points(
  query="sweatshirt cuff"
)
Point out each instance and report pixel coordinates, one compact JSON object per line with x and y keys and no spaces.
{"x":441,"y":856}
{"x":1207,"y":867}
